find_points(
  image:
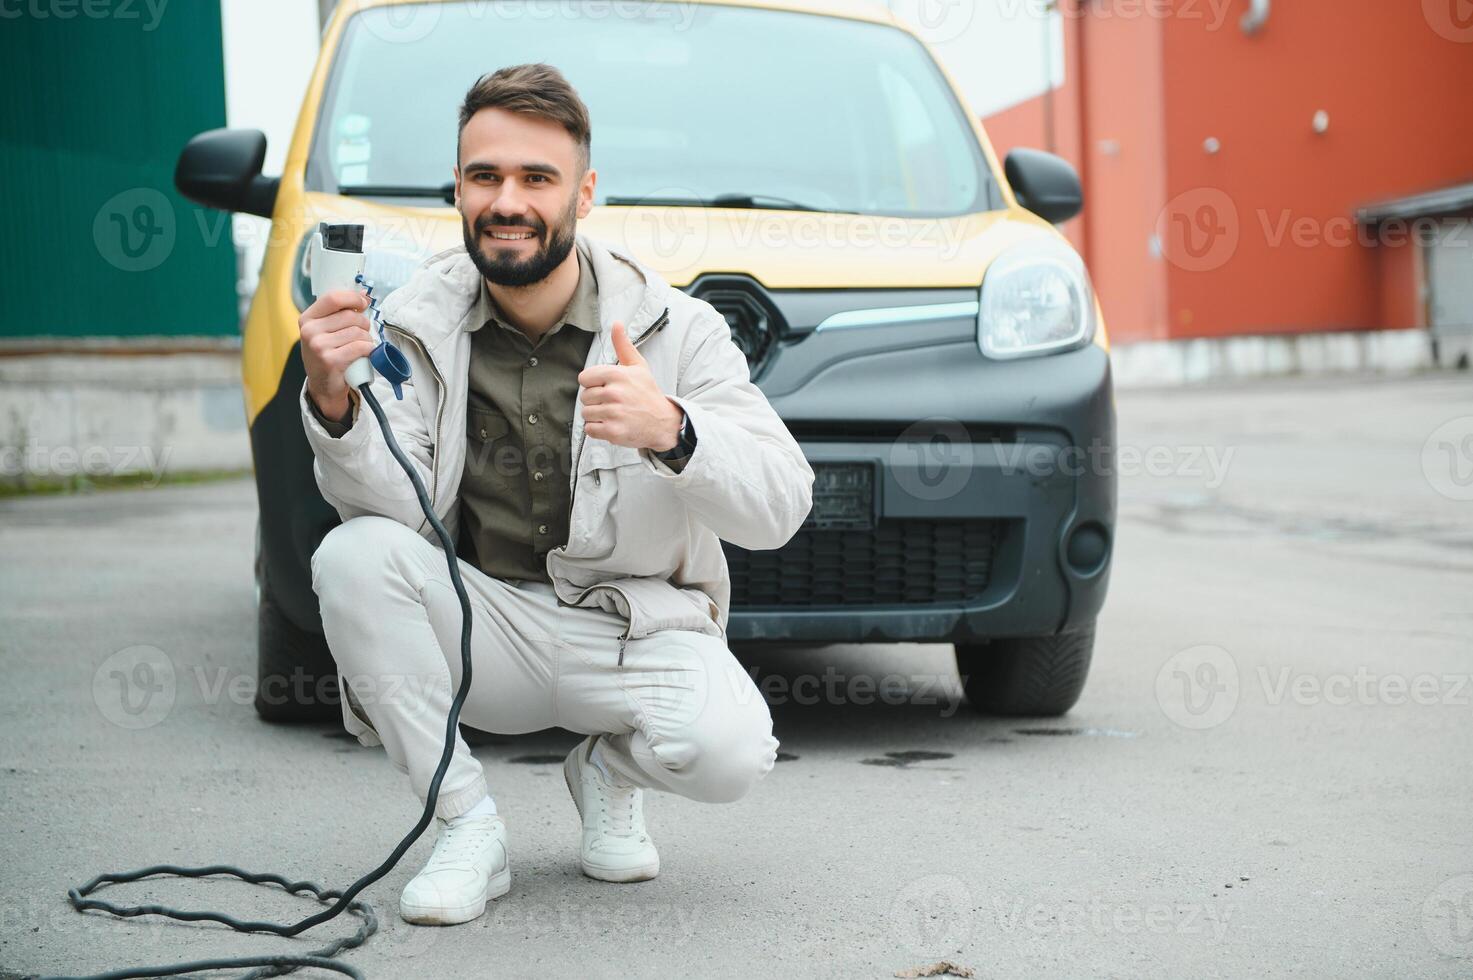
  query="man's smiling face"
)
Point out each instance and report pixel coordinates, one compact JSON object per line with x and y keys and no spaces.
{"x":520,"y":188}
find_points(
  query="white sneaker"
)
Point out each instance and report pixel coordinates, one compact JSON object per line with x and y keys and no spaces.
{"x":467,"y":868}
{"x":615,"y":845}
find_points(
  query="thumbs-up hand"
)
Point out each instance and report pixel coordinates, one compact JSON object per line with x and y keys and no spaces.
{"x":628,"y":356}
{"x":623,"y":404}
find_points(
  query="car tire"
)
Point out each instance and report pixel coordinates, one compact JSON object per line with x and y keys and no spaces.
{"x":296,"y":677}
{"x":1036,"y":676}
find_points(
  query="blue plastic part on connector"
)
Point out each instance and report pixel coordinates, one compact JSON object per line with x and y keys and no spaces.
{"x":386,"y":359}
{"x":390,"y":362}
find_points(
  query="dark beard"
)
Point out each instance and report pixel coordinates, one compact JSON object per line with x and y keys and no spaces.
{"x":521,"y":272}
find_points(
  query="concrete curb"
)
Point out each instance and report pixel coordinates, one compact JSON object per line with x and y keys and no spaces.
{"x":89,"y":414}
{"x":1170,"y":363}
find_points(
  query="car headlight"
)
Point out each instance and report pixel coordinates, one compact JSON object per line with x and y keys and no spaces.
{"x":386,"y":268}
{"x":1036,"y":299}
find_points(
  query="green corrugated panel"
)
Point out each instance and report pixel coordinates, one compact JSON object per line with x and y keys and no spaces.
{"x":94,"y":240}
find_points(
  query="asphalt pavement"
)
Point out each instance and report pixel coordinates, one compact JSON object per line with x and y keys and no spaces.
{"x":1268,"y":774}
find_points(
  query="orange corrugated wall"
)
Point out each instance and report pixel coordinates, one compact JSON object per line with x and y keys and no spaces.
{"x":1258,"y":237}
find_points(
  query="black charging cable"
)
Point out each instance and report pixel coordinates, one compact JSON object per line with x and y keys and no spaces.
{"x":273,"y":966}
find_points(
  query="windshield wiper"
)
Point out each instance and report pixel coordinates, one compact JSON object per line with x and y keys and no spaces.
{"x":445,"y":192}
{"x":723,"y":201}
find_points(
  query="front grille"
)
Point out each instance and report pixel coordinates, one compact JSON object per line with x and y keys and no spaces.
{"x":754,"y":321}
{"x":898,"y":562}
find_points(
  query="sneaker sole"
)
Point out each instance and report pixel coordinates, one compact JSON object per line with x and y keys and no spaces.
{"x":617,"y":875}
{"x":620,"y":875}
{"x":498,"y":885}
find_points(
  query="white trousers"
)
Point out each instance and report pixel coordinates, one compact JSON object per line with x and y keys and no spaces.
{"x":679,"y":715}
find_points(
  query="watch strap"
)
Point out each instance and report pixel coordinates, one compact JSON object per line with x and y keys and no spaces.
{"x":684,"y":442}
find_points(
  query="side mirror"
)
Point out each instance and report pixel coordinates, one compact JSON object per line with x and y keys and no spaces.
{"x":221,"y":168}
{"x":1045,"y":184}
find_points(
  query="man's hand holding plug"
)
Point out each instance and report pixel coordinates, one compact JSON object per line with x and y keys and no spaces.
{"x":623,"y":404}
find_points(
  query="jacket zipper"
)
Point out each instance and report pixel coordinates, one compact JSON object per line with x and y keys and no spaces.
{"x":439,"y":418}
{"x":659,"y":324}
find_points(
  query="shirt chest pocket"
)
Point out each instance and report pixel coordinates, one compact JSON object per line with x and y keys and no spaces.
{"x":490,"y":456}
{"x":485,"y":424}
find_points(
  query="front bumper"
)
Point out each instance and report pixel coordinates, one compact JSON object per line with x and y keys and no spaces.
{"x":994,"y":515}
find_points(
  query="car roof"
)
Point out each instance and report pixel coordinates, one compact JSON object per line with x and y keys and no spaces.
{"x":866,"y":10}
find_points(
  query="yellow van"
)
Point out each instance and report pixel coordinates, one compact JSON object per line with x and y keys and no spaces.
{"x":904,"y":301}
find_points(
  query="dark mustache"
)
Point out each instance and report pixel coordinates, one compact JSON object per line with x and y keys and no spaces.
{"x":482,"y":224}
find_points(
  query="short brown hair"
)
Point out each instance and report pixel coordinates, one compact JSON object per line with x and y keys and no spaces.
{"x":537,"y":90}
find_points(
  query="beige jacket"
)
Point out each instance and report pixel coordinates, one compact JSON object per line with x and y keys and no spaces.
{"x":643,"y":540}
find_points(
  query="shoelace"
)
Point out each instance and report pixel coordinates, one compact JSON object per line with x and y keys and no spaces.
{"x":451,"y":836}
{"x":620,"y":809}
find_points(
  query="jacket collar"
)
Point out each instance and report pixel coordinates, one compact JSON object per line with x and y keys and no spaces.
{"x":442,"y":297}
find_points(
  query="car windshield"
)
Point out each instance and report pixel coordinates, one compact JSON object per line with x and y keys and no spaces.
{"x":695,"y":103}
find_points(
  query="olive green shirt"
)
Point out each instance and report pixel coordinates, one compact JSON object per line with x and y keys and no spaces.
{"x":514,"y":495}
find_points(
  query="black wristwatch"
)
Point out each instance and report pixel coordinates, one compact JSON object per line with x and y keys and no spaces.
{"x":685,"y":444}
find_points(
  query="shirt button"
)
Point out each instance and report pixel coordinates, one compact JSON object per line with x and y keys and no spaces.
{"x":537,"y":477}
{"x":532,"y":419}
{"x":531,"y":362}
{"x":541,"y":528}
{"x":483,"y":432}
